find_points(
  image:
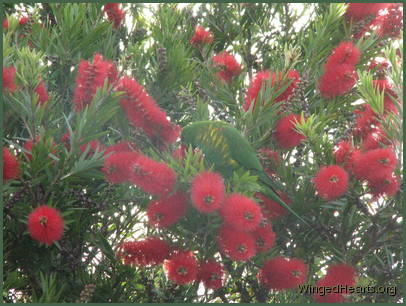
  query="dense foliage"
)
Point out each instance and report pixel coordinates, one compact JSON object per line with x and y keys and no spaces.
{"x":117,"y":188}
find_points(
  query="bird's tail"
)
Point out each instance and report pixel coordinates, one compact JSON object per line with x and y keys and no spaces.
{"x":272,"y":193}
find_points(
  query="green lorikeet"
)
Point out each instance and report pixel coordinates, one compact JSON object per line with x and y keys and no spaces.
{"x":227,"y":150}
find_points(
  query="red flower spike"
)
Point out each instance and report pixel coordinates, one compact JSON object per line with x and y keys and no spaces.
{"x":167,"y":210}
{"x":117,"y":166}
{"x":114,"y":13}
{"x":207,"y":191}
{"x":5,"y":26}
{"x":264,"y":237}
{"x":342,"y":152}
{"x":375,"y":140}
{"x":375,"y":164}
{"x":346,"y":53}
{"x":337,"y":81}
{"x":151,"y":251}
{"x":331,"y":182}
{"x":42,"y":93}
{"x":337,"y":274}
{"x":201,"y":36}
{"x":11,"y":167}
{"x":283,"y":273}
{"x":181,"y":267}
{"x":285,"y":133}
{"x":23,"y":20}
{"x":387,"y":186}
{"x":45,"y":224}
{"x":262,"y":78}
{"x":9,"y":74}
{"x":211,"y":273}
{"x":143,"y":112}
{"x":391,"y":24}
{"x":237,"y":245}
{"x":241,"y":213}
{"x":359,"y":11}
{"x":151,"y":176}
{"x":230,"y":68}
{"x":271,"y":209}
{"x":90,"y":77}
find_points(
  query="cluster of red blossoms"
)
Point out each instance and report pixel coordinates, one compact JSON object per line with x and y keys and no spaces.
{"x":114,"y":13}
{"x":90,"y":77}
{"x":337,"y":274}
{"x":387,"y":18}
{"x":229,"y":67}
{"x":283,"y":273}
{"x":339,"y":72}
{"x":45,"y":224}
{"x":201,"y":36}
{"x":180,"y":266}
{"x":11,"y":167}
{"x":143,"y":112}
{"x":260,"y":81}
{"x":10,"y":86}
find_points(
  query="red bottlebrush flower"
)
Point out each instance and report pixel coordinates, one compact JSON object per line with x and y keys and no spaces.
{"x":387,"y":186}
{"x":241,"y":213}
{"x":365,"y":118}
{"x":331,"y":182}
{"x":151,"y":176}
{"x":358,"y":11}
{"x":342,"y":151}
{"x":237,"y":245}
{"x":42,"y":93}
{"x":5,"y":25}
{"x":211,"y":273}
{"x":207,"y":191}
{"x":352,"y":157}
{"x":45,"y":224}
{"x":375,"y":164}
{"x":90,"y":77}
{"x":9,"y":74}
{"x":262,"y":78}
{"x":264,"y":237}
{"x":122,"y":146}
{"x":346,"y":53}
{"x":181,"y":267}
{"x":338,"y":274}
{"x":283,"y":273}
{"x":127,"y":252}
{"x":11,"y":167}
{"x":271,"y":209}
{"x":337,"y":81}
{"x":201,"y":36}
{"x":374,"y":140}
{"x":391,"y":23}
{"x":167,"y":210}
{"x":293,"y":77}
{"x":143,"y":112}
{"x":229,"y":67}
{"x":114,"y":13}
{"x":117,"y":166}
{"x":151,"y":251}
{"x":389,"y":105}
{"x":285,"y":133}
{"x":23,"y":20}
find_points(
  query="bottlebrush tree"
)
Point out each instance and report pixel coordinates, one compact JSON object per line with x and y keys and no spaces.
{"x":108,"y":198}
